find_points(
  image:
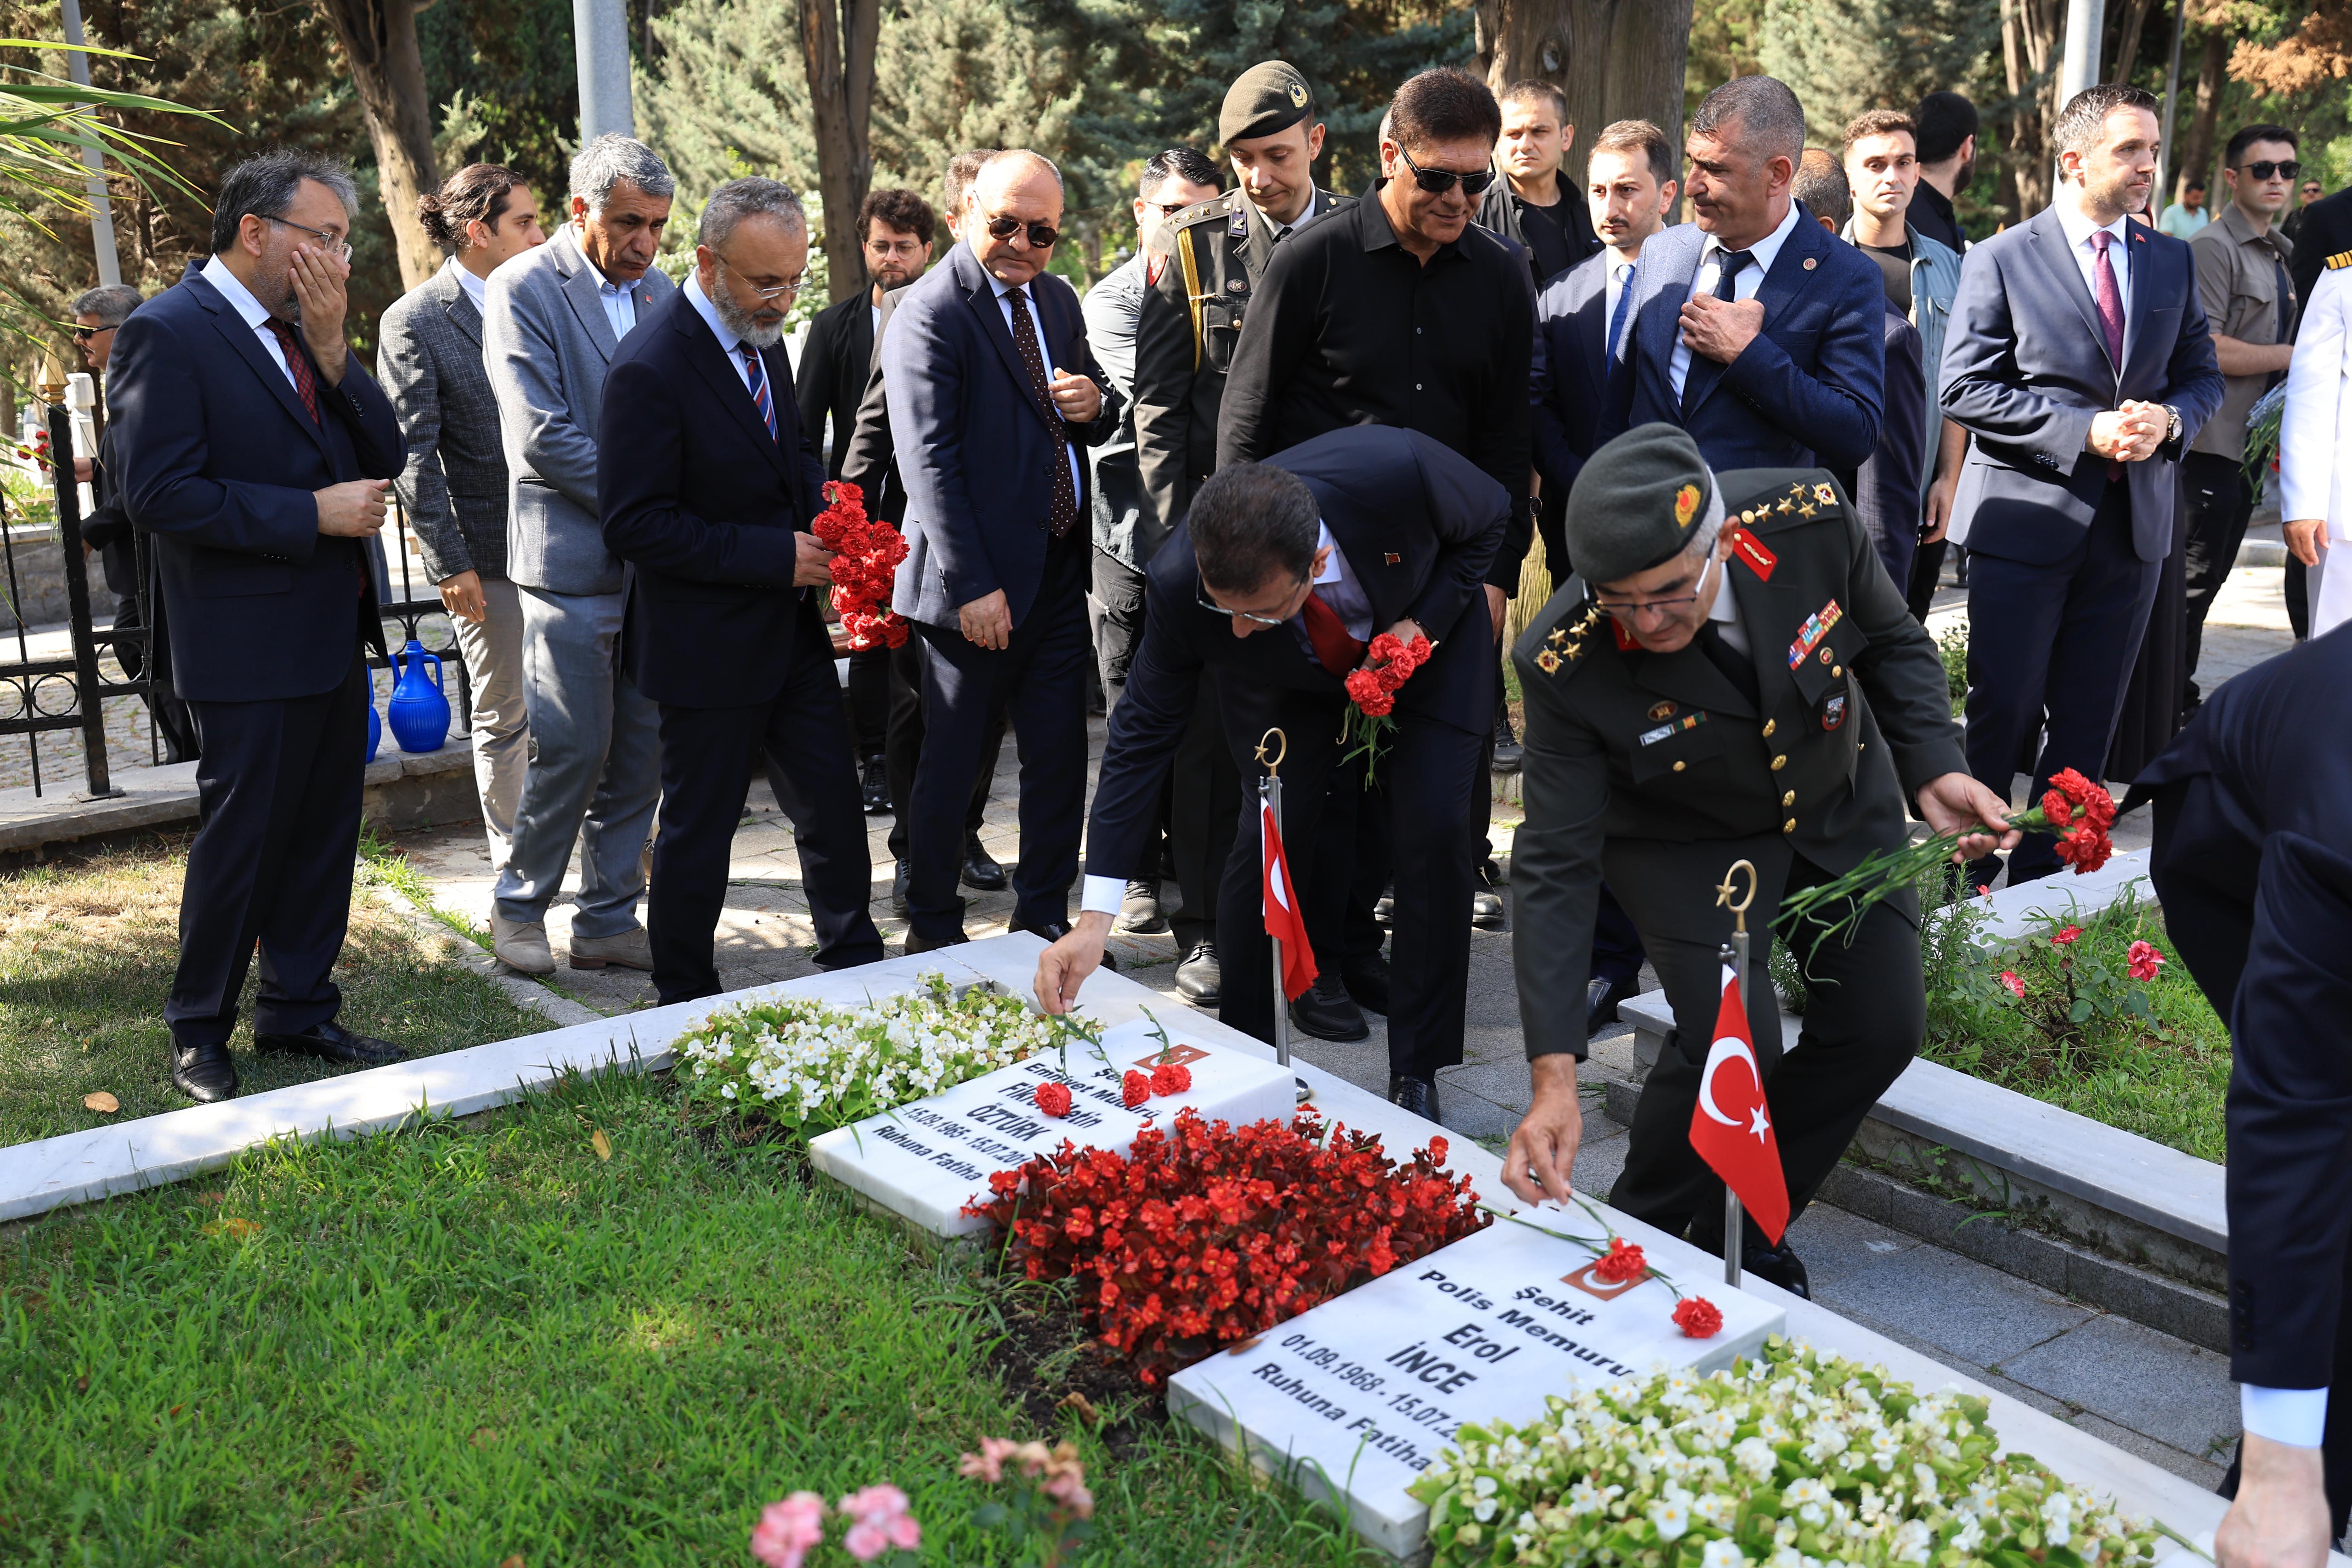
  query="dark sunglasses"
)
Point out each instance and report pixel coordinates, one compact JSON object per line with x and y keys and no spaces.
{"x":1437,"y":181}
{"x":1041,"y":235}
{"x":84,"y":334}
{"x":2265,"y":169}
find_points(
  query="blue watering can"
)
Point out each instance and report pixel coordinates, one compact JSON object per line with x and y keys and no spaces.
{"x":375,"y":728}
{"x":417,"y":712}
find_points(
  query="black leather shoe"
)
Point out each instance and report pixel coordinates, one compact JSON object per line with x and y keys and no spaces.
{"x":1486,"y":912}
{"x":1138,"y":912}
{"x":1367,"y":979}
{"x":1054,"y":930}
{"x":874,"y":788}
{"x":1326,"y":1011}
{"x":1200,"y":979}
{"x":203,"y":1072}
{"x":981,"y":872}
{"x":330,"y":1042}
{"x":1418,"y":1095}
{"x":1600,"y":999}
{"x":920,"y":944}
{"x":1384,"y":910}
{"x":899,"y":880}
{"x":1508,"y":754}
{"x":1781,"y":1267}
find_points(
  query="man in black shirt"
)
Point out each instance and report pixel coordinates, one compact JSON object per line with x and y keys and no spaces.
{"x":1947,"y":161}
{"x":1400,"y":311}
{"x":1528,"y":204}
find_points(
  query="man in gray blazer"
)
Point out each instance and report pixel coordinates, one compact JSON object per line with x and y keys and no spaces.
{"x":455,"y":481}
{"x":553,"y":322}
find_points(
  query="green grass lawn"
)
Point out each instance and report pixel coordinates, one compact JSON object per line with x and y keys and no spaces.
{"x":481,"y":1342}
{"x":87,"y":950}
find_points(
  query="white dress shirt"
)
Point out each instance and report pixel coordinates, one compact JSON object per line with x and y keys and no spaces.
{"x":1044,"y":352}
{"x":728,"y":343}
{"x":476,"y":289}
{"x":2078,"y":230}
{"x":1284,"y":231}
{"x":1743,"y":285}
{"x":1725,"y":610}
{"x":2295,"y":1416}
{"x":620,"y":300}
{"x":241,"y":300}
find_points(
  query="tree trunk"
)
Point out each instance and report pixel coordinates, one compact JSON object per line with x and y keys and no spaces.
{"x":2128,"y":45}
{"x":2197,"y":147}
{"x":841,"y":93}
{"x":1613,"y":59}
{"x":2030,"y":34}
{"x":379,"y":39}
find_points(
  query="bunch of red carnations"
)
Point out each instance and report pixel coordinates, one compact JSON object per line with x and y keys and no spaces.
{"x":866,"y":556}
{"x":1204,"y":1233}
{"x":1371,"y":694}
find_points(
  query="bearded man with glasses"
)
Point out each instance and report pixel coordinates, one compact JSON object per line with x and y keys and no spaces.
{"x":1734,"y":676}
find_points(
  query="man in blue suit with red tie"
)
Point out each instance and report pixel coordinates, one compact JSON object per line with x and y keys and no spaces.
{"x":2079,"y":358}
{"x":992,"y":390}
{"x":255,"y":451}
{"x":709,"y":488}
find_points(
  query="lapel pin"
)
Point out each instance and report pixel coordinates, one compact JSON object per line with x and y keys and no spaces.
{"x":1391,"y":557}
{"x":1810,"y":264}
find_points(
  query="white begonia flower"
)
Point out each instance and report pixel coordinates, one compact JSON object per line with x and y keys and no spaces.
{"x":1671,"y":1518}
{"x":1723,"y":1554}
{"x":1484,"y":1509}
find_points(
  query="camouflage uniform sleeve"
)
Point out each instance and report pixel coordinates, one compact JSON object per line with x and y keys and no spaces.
{"x":1556,"y":853}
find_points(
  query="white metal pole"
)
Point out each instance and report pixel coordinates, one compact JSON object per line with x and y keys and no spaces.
{"x":2165,"y":162}
{"x":600,"y":36}
{"x":102,"y":209}
{"x":2079,"y":64}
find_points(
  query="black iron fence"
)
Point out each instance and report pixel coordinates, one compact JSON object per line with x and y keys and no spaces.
{"x":64,"y":694}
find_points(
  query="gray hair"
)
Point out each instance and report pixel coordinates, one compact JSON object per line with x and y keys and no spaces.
{"x":612,"y":158}
{"x":266,"y":187}
{"x":738,"y":199}
{"x":1710,"y":522}
{"x":1769,"y":121}
{"x":111,"y":303}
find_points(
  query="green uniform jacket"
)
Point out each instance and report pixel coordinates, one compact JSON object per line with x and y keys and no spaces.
{"x":1655,"y":770}
{"x":1199,"y":290}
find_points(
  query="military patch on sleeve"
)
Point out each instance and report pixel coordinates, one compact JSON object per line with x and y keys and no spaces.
{"x":1816,"y":627}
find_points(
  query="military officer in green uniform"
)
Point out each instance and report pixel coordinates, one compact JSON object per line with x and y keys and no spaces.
{"x":1212,"y":255}
{"x":1734,"y":677}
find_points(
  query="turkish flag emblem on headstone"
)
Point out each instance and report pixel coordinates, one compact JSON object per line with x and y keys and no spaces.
{"x":1731,"y":1128}
{"x":1284,"y":922}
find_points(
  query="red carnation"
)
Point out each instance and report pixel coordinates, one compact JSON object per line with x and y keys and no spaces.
{"x":2086,"y":849}
{"x":2062,"y":938}
{"x":2016,"y":987}
{"x":1386,"y":647}
{"x":1134,"y":1089}
{"x":2144,"y":960}
{"x":1369,"y":693}
{"x":1697,"y":1317}
{"x":1053,"y":1099}
{"x":1622,"y":1262}
{"x":1170,"y":1078}
{"x":2058,"y":808}
{"x":2076,"y":787}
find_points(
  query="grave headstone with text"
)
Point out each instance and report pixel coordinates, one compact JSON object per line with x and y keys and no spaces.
{"x":1353,"y":1400}
{"x":925,"y":1160}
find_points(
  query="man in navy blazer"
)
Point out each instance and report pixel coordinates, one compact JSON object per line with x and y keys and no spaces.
{"x":256,"y":451}
{"x":1752,"y":328}
{"x":991,"y":391}
{"x":1391,"y":530}
{"x":2079,"y":358}
{"x":709,"y":485}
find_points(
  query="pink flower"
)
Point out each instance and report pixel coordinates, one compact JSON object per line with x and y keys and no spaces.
{"x":882,"y":1522}
{"x":2144,"y":960}
{"x":788,"y":1530}
{"x":2062,"y":938}
{"x":988,"y":1464}
{"x":2016,"y":987}
{"x":1069,"y":1490}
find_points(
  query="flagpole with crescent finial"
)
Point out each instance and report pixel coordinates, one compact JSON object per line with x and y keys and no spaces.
{"x":1734,"y":953}
{"x":1270,"y":792}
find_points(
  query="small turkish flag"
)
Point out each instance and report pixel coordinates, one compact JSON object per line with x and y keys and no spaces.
{"x":1730,"y":1128}
{"x":1283,"y":921}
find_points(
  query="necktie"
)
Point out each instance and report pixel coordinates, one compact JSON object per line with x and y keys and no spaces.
{"x":1739,"y":671}
{"x":760,"y":397}
{"x":2111,"y":312}
{"x":1727,"y":264}
{"x":1063,"y":515}
{"x":1334,"y":649}
{"x":1624,"y":303}
{"x":305,"y":380}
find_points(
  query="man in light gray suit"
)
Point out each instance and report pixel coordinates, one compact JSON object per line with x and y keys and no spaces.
{"x":455,"y":481}
{"x":553,"y":322}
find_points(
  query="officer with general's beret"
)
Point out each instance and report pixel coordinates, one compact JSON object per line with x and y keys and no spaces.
{"x":1731,"y":676}
{"x":1211,"y":259}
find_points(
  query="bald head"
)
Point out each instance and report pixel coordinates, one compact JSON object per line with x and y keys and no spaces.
{"x":1019,"y":194}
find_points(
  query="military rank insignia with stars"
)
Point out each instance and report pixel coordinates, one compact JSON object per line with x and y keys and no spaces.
{"x":1564,"y":647}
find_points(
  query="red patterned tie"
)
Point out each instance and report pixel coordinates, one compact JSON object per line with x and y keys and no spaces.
{"x":2111,"y":312}
{"x":305,"y":380}
{"x":1334,"y":649}
{"x":1062,"y":512}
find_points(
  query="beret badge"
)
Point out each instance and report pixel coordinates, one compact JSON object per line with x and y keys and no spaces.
{"x":1298,"y":94}
{"x":1685,"y":505}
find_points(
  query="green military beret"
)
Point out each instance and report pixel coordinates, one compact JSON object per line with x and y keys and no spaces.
{"x":1637,"y":504}
{"x":1266,"y":99}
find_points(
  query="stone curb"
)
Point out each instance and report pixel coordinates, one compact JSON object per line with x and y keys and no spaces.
{"x":557,"y":1009}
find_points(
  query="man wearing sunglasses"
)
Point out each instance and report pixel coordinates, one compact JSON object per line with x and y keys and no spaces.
{"x":2244,"y":279}
{"x":992,"y":390}
{"x":1737,"y":678}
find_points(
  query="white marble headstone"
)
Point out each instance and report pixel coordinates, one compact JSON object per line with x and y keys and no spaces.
{"x":1353,"y":1400}
{"x":925,"y":1160}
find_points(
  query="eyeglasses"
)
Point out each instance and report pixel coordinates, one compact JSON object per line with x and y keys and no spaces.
{"x":790,"y":285}
{"x":1437,"y":181}
{"x":84,"y":334}
{"x":334,"y":244}
{"x":1041,"y":235}
{"x":1657,"y":612}
{"x":2267,"y":168}
{"x":1202,"y":595}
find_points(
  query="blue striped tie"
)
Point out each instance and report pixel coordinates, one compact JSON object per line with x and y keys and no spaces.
{"x":760,"y":397}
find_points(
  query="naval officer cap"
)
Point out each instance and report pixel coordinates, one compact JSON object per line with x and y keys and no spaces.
{"x":1264,"y":100}
{"x":1639,"y":502}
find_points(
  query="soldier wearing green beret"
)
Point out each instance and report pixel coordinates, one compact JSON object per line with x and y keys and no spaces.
{"x":1733,"y":676}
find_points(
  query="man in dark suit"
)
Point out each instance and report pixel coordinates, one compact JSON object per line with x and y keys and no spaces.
{"x":991,"y":391}
{"x":2254,"y":868}
{"x":894,"y":237}
{"x":1753,"y":329}
{"x":1282,"y":574}
{"x":2079,"y":358}
{"x":708,"y":485}
{"x":256,"y":451}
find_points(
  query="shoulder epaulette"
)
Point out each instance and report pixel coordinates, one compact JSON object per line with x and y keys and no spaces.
{"x":1802,"y":501}
{"x":2341,"y":259}
{"x":1563,"y":646}
{"x":1216,"y":207}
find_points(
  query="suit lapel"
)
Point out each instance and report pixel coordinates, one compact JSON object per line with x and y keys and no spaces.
{"x":242,"y":338}
{"x":1590,"y":318}
{"x":1688,"y":675}
{"x":459,"y":307}
{"x":710,"y":361}
{"x":1668,"y":284}
{"x":980,"y":292}
{"x":1789,"y":278}
{"x":2139,"y":257}
{"x":2057,"y":258}
{"x":582,"y":291}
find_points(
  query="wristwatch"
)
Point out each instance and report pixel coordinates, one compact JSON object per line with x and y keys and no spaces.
{"x":2172,"y":431}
